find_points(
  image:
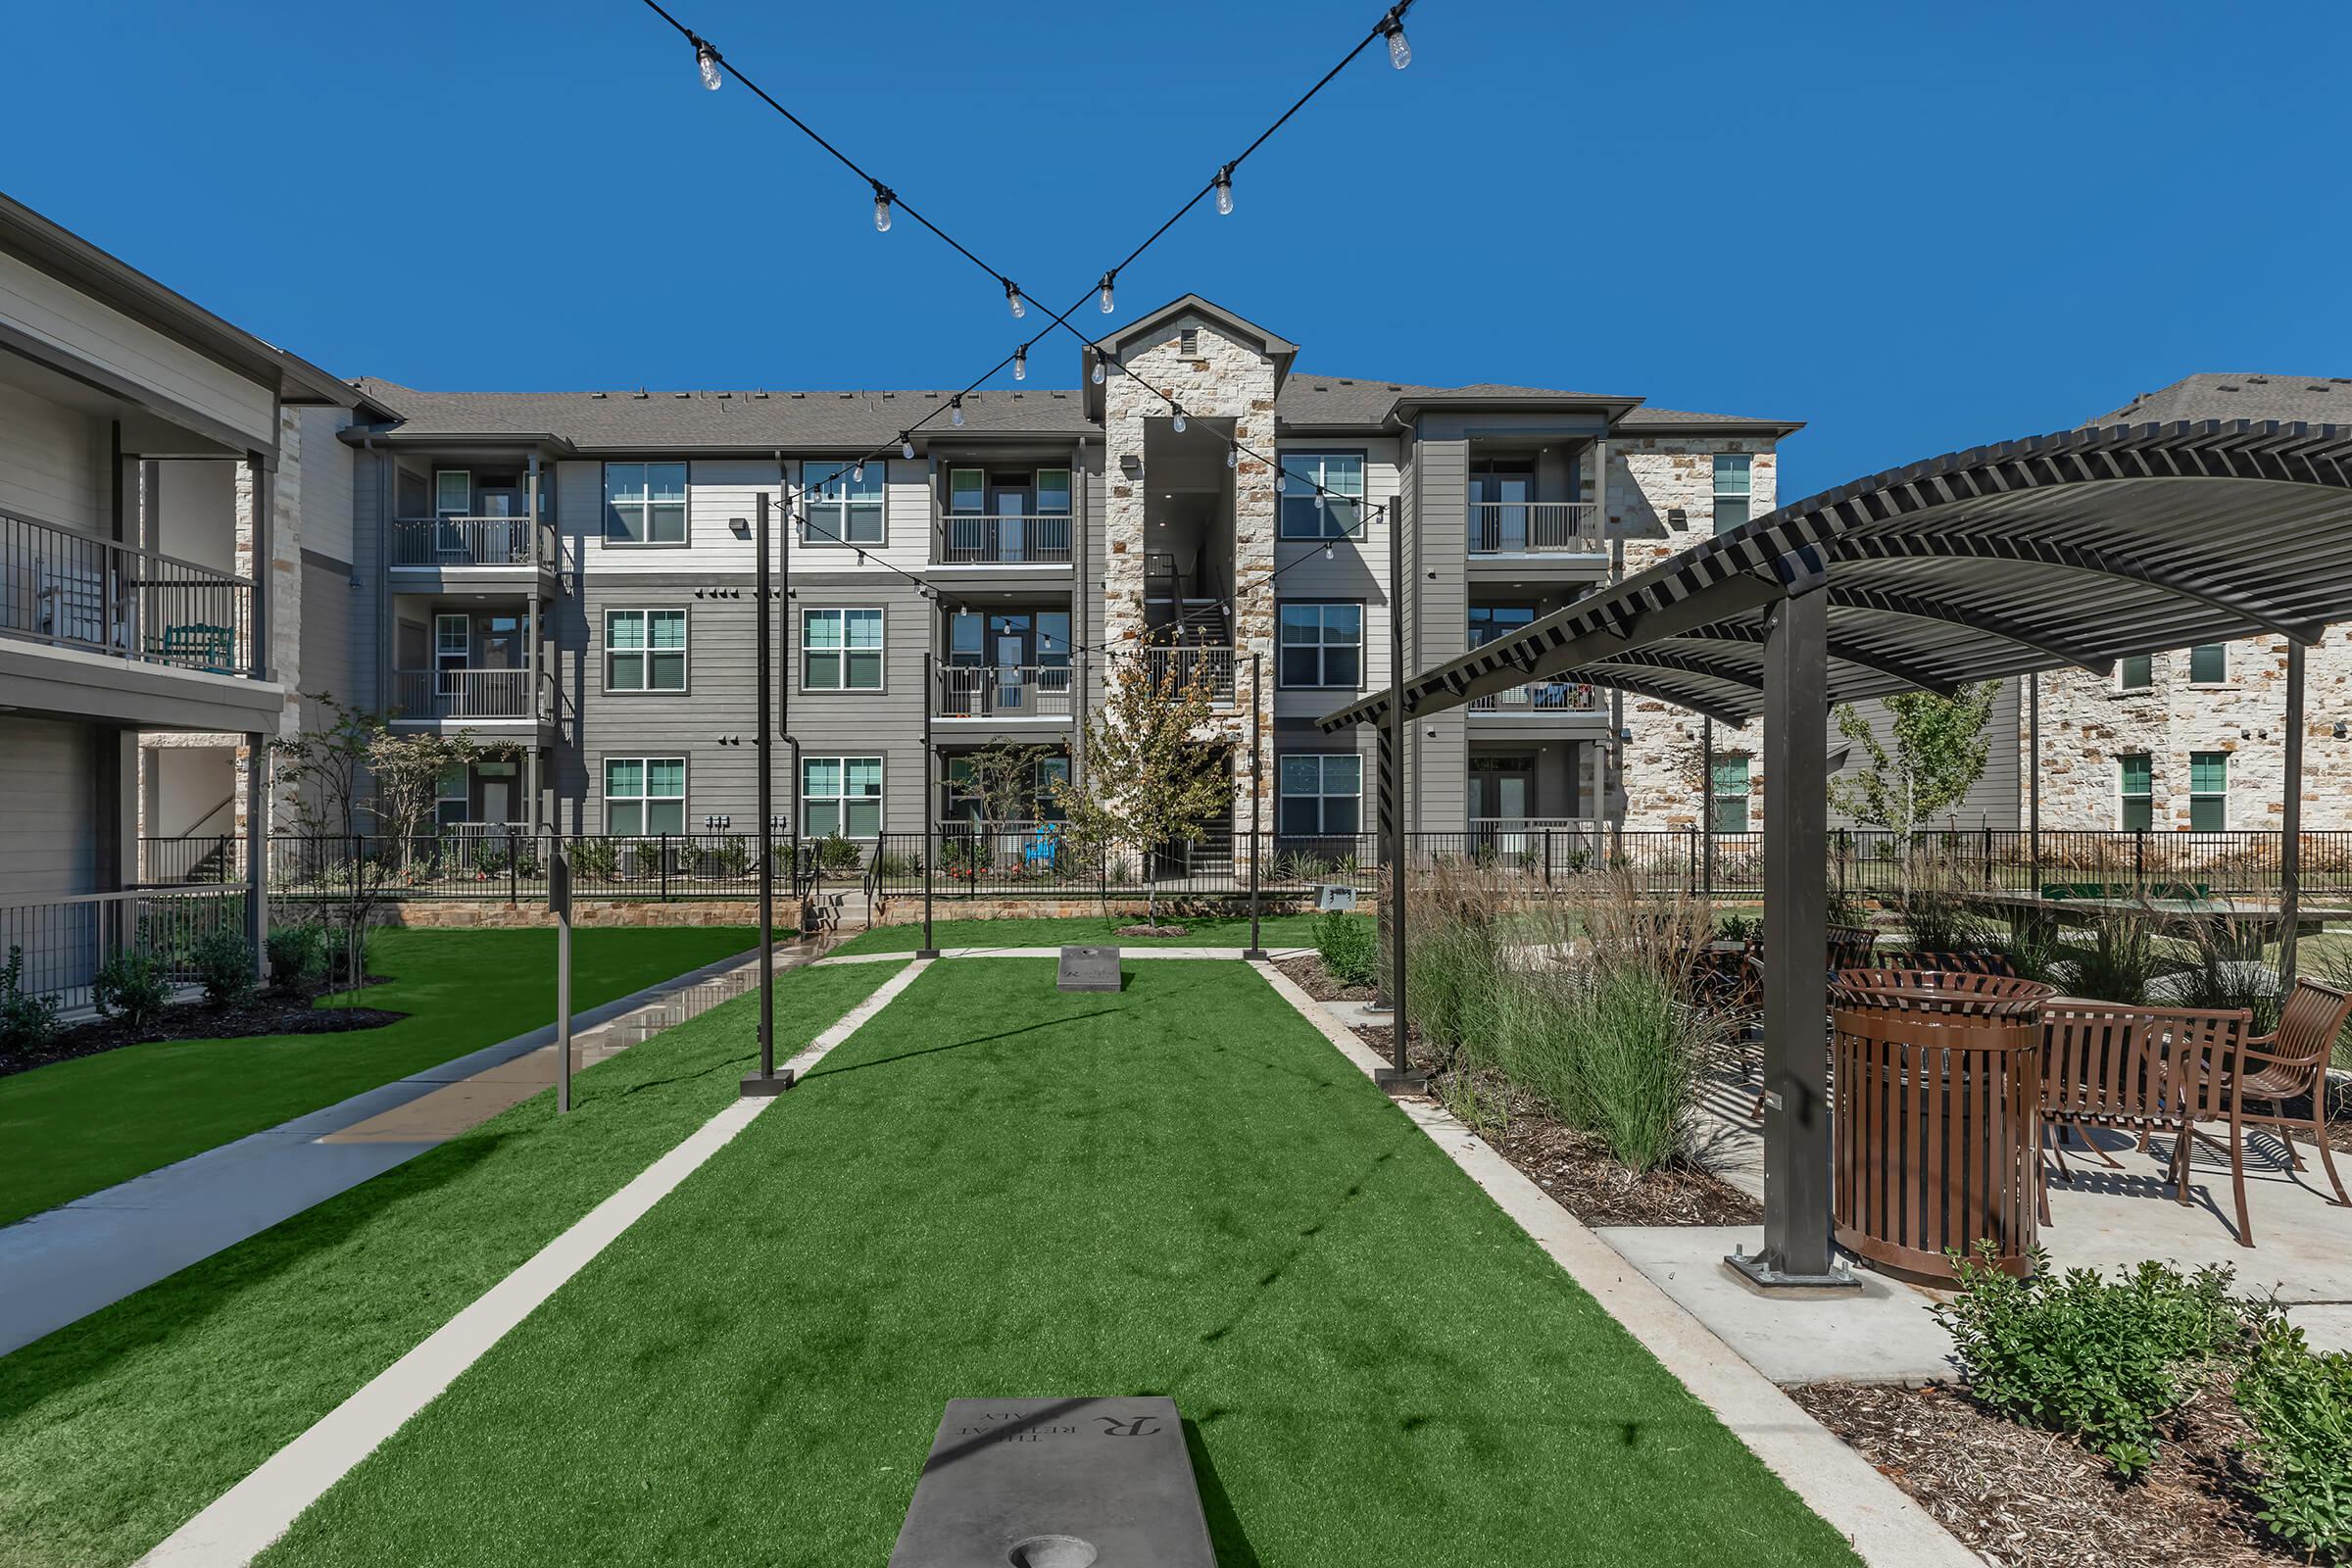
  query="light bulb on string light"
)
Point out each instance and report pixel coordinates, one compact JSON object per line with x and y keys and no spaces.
{"x":883,"y":197}
{"x":1109,"y":304}
{"x":1013,"y":296}
{"x":1224,"y":183}
{"x":706,"y":60}
{"x":1097,"y":355}
{"x":1020,"y":363}
{"x":1400,"y":53}
{"x":1179,"y":424}
{"x":905,"y":445}
{"x":955,"y":412}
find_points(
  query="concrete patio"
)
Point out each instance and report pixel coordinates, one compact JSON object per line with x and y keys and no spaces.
{"x":2102,"y":1218}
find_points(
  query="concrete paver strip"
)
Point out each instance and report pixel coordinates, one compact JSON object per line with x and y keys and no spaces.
{"x":242,"y":1522}
{"x":1885,"y":1526}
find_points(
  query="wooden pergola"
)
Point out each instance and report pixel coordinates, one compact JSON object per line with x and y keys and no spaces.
{"x":2076,"y":549}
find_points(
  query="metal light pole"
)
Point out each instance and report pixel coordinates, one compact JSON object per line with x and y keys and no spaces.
{"x":1399,"y":1077}
{"x":559,"y":899}
{"x":1256,"y":728}
{"x":766,"y":1081}
{"x":931,"y":679}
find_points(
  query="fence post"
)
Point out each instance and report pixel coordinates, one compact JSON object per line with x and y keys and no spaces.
{"x":1547,"y":856}
{"x":1989,"y":881}
{"x":662,"y":865}
{"x":513,"y":871}
{"x":2139,"y":859}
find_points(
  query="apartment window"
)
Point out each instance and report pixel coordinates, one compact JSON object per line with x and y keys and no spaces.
{"x":1733,"y":480}
{"x":1054,"y":492}
{"x":644,"y":650}
{"x":1727,"y":795}
{"x":453,"y":492}
{"x":840,"y":794}
{"x":2209,"y":662}
{"x":1322,"y":645}
{"x":1322,"y":793}
{"x":2135,"y":673}
{"x":2136,"y":787}
{"x":645,"y":502}
{"x":451,"y":797}
{"x":645,"y":795}
{"x":843,"y":503}
{"x":1338,"y":512}
{"x":967,"y":490}
{"x":453,"y":646}
{"x":841,"y":650}
{"x":2208,"y":790}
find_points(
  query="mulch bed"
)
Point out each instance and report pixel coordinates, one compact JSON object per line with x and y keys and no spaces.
{"x":265,"y":1012}
{"x":2035,"y":1499}
{"x":1152,"y":931}
{"x":1574,"y":1167}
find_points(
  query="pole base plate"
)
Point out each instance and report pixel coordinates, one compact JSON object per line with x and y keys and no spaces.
{"x":1253,"y":955}
{"x":767,"y":1086}
{"x":1763,"y":1274}
{"x":926,"y":953}
{"x":1402,"y":1080}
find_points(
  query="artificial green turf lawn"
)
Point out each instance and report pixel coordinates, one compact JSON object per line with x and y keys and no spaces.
{"x":72,"y":1128}
{"x":995,"y":1189}
{"x":117,"y":1429}
{"x":1201,"y":931}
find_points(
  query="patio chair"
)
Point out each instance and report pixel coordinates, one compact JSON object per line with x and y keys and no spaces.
{"x":2287,"y":1065}
{"x":2119,"y":1066}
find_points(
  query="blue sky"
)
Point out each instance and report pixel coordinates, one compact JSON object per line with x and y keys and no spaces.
{"x":1916,"y":228}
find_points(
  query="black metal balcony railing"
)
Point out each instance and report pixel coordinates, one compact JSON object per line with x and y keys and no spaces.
{"x":439,"y":694}
{"x":1540,"y":697}
{"x":76,"y":591}
{"x":969,"y":539}
{"x":64,"y":940}
{"x":1534,"y":528}
{"x":1007,"y":690}
{"x":1211,"y":667}
{"x":472,"y":542}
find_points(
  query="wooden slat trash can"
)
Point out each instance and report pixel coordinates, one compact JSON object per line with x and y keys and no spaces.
{"x":1936,"y":1103}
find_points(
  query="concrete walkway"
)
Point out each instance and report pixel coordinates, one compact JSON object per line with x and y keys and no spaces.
{"x":1018,"y":952}
{"x":67,"y":1262}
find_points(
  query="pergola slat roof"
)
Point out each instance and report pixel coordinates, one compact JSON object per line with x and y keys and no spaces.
{"x":2075,"y":548}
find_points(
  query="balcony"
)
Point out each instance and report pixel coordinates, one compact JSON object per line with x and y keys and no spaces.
{"x":1536,"y":528}
{"x":454,"y":694}
{"x":429,"y":554}
{"x":1004,"y":539}
{"x":71,"y":590}
{"x":1539,"y":699}
{"x":1003,"y":693}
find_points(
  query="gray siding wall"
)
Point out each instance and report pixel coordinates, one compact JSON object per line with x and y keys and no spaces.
{"x":1437,"y":609}
{"x":49,"y":834}
{"x":53,"y":462}
{"x":1992,"y":801}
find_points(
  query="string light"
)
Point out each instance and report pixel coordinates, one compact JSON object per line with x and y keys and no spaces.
{"x":1020,"y":363}
{"x":905,"y":445}
{"x":858,"y":472}
{"x":1096,"y":355}
{"x":1109,"y":304}
{"x":955,"y":410}
{"x":706,"y":60}
{"x":1224,"y":186}
{"x":1179,"y":425}
{"x":883,"y":197}
{"x":1233,"y":455}
{"x":1013,"y":296}
{"x":1392,"y":27}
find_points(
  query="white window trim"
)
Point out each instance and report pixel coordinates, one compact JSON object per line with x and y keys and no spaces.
{"x":1282,"y":681}
{"x":643,"y":652}
{"x":615,"y":541}
{"x":843,"y":651}
{"x":829,"y":521}
{"x":2195,"y":795}
{"x":2122,"y":795}
{"x":1283,"y":793}
{"x":645,"y":762}
{"x":1322,"y":477}
{"x":842,"y":761}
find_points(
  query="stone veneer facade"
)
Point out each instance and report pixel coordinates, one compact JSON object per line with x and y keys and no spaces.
{"x":1650,"y":477}
{"x":1223,"y":380}
{"x":2088,"y":724}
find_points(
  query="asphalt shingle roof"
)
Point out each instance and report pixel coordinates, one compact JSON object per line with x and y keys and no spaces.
{"x":2241,"y":395}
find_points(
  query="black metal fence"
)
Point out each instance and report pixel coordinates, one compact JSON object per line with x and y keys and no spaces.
{"x":968,"y":861}
{"x":60,"y":945}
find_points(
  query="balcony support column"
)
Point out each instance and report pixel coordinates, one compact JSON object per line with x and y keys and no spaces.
{"x":534,"y":656}
{"x":257,"y":851}
{"x":262,"y":552}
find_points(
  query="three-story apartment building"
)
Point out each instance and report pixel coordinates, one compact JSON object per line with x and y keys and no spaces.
{"x":571,"y":574}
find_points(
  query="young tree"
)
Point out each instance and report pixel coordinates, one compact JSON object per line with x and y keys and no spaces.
{"x":1939,"y":751}
{"x":1149,"y":777}
{"x":353,"y":777}
{"x":1001,"y":781}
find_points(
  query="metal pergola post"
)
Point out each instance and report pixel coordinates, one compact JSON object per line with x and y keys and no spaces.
{"x":558,"y":900}
{"x":2291,"y":821}
{"x":2034,"y":782}
{"x":1257,"y":731}
{"x":1396,"y":802}
{"x":1797,"y":1113}
{"x":931,"y":839}
{"x":766,"y":1081}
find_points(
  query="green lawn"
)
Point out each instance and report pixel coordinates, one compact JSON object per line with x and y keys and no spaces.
{"x":72,"y":1128}
{"x":996,"y":1189}
{"x":115,"y":1430}
{"x":1202,"y":931}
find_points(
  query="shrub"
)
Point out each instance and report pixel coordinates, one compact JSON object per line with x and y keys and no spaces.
{"x":2299,"y":1406}
{"x":223,"y":963}
{"x":837,"y":854}
{"x":730,"y":859}
{"x":1350,"y":947}
{"x":1739,"y":927}
{"x":297,"y":953}
{"x":2100,"y":1360}
{"x":897,"y":867}
{"x":593,"y":859}
{"x":966,"y":856}
{"x":2120,"y":962}
{"x":27,"y":1020}
{"x":132,"y":986}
